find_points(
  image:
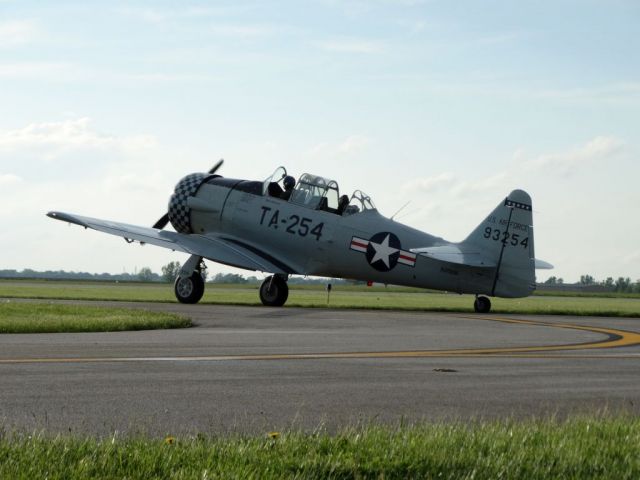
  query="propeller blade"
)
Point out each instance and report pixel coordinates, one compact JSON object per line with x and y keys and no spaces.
{"x":162,"y":222}
{"x":216,"y":166}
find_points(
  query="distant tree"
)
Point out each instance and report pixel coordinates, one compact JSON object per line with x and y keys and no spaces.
{"x":229,"y":278}
{"x":608,"y":282}
{"x":170,"y":271}
{"x":551,"y":281}
{"x":587,"y":280}
{"x":560,"y":281}
{"x":145,"y":274}
{"x":622,"y":284}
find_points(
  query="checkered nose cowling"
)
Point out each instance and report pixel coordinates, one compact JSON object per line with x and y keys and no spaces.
{"x":179,"y":212}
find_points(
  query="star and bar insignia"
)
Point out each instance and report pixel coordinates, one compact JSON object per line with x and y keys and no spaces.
{"x":383,"y":251}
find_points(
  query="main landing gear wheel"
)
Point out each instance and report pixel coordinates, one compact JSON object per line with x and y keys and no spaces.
{"x":482,"y":304}
{"x":274,"y":291}
{"x":189,"y":289}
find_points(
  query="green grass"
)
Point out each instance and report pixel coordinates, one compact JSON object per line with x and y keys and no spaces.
{"x":604,"y":448}
{"x":377,"y":297}
{"x":47,"y":318}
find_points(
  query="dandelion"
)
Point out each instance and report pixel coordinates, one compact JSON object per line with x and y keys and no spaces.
{"x":170,"y":440}
{"x":273,"y":435}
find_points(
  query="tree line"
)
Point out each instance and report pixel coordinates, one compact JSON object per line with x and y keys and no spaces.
{"x":170,"y":271}
{"x":168,"y":274}
{"x":621,"y":284}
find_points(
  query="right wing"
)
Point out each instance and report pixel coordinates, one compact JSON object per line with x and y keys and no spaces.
{"x":221,"y":249}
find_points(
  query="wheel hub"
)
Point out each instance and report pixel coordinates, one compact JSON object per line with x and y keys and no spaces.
{"x":185,"y":287}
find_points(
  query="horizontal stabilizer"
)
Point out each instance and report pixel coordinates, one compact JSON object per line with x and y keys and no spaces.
{"x":542,"y":265}
{"x":454,"y":254}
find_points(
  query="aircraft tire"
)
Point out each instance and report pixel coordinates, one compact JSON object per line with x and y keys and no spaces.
{"x":274,"y":291}
{"x":189,"y":289}
{"x":482,"y":305}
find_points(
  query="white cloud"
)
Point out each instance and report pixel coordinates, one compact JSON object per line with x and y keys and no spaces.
{"x":9,"y":179}
{"x":457,"y":188}
{"x":58,"y":137}
{"x":353,"y":143}
{"x":430,"y":184}
{"x":125,"y":183}
{"x":613,"y":92}
{"x":17,"y":32}
{"x":598,"y":150}
{"x":68,"y":72}
{"x":157,"y":16}
{"x":38,"y":70}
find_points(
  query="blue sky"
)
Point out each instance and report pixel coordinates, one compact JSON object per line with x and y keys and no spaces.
{"x":448,"y":105}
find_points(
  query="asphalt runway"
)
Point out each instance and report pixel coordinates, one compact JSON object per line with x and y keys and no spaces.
{"x":257,"y":369}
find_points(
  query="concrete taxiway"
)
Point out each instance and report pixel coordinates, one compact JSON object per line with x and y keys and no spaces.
{"x":255,"y":369}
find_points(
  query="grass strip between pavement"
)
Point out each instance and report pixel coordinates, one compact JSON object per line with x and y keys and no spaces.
{"x":582,"y":447}
{"x":51,"y":318}
{"x":360,"y":297}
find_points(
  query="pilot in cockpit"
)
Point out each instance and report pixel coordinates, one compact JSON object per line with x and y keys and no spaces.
{"x":342,"y":204}
{"x":289,"y":182}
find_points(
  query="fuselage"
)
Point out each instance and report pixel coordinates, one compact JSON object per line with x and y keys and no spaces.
{"x":363,"y":245}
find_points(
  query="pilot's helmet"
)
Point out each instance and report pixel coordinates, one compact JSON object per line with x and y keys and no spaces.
{"x":289,"y":182}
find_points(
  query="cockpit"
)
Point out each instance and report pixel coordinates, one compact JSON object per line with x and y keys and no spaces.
{"x":315,"y":192}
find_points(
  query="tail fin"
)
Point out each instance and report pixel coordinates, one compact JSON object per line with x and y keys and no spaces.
{"x":506,"y":238}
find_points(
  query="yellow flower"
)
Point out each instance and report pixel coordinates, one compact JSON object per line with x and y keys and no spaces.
{"x":273,"y":435}
{"x":170,"y":440}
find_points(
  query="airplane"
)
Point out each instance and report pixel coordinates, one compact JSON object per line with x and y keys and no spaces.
{"x":284,"y":228}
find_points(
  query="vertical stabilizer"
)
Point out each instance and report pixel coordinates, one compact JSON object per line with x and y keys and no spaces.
{"x":506,"y":237}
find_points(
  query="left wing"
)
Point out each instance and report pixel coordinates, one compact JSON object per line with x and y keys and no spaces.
{"x":221,"y":249}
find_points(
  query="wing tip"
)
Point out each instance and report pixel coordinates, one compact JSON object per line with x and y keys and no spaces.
{"x":65,"y":217}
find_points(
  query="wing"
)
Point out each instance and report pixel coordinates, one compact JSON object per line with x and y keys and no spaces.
{"x":221,"y":249}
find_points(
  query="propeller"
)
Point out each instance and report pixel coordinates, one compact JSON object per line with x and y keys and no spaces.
{"x":216,"y":166}
{"x":163,"y":220}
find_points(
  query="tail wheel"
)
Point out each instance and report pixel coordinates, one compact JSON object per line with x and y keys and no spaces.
{"x":189,"y":289}
{"x":482,"y":305}
{"x":274,"y":291}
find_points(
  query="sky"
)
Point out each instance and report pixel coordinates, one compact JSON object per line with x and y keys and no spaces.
{"x":449,"y":106}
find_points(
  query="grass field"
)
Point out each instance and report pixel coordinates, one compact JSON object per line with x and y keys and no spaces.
{"x":48,"y":318}
{"x":603,"y":448}
{"x":377,"y":297}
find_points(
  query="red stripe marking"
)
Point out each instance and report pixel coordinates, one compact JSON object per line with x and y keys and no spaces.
{"x":358,"y":244}
{"x":411,"y":259}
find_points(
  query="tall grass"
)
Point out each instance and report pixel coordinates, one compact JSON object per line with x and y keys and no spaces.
{"x":577,"y":448}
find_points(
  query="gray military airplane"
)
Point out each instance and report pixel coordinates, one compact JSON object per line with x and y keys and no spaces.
{"x":283,"y":228}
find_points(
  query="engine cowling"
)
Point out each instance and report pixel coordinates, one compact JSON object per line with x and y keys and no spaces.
{"x":179,"y":210}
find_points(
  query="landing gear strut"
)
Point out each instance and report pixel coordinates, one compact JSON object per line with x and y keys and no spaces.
{"x":189,"y":286}
{"x":482,"y":304}
{"x":274,"y":291}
